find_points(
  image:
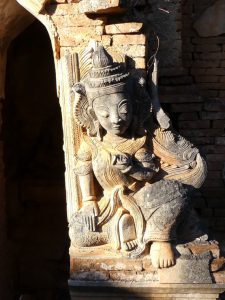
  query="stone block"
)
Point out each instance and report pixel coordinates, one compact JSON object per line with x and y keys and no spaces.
{"x":199,"y":124}
{"x":208,"y":48}
{"x":201,"y":132}
{"x":215,"y":157}
{"x":120,"y":28}
{"x":130,"y":50}
{"x":203,"y":140}
{"x":80,"y":20}
{"x":62,"y":9}
{"x":212,"y":149}
{"x":211,"y":86}
{"x":99,"y":6}
{"x":200,"y":78}
{"x":215,"y":105}
{"x":216,"y":202}
{"x":219,"y":124}
{"x":188,"y":116}
{"x":129,"y":39}
{"x":186,"y":107}
{"x":136,"y":62}
{"x":213,"y":115}
{"x":180,"y":99}
{"x":78,"y":35}
{"x":220,"y":140}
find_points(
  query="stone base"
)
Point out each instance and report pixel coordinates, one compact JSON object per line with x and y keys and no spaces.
{"x":132,"y":291}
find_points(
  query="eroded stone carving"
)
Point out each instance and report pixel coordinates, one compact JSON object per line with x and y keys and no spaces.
{"x":135,"y":177}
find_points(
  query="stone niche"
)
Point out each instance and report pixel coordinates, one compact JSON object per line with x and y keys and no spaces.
{"x":93,"y":41}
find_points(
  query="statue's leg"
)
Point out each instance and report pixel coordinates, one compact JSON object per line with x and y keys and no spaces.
{"x":127,"y":233}
{"x":161,"y":230}
{"x":162,"y":204}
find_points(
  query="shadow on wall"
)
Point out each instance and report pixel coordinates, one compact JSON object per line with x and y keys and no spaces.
{"x":36,"y":205}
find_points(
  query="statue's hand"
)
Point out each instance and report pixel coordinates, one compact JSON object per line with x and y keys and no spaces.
{"x":90,"y":212}
{"x":123,"y":162}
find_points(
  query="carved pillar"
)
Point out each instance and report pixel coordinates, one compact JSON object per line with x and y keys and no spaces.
{"x":70,"y":31}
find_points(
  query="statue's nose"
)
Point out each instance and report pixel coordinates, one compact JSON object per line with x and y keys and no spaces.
{"x":115,"y":119}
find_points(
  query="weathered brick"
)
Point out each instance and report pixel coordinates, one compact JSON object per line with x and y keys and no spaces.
{"x":123,"y":28}
{"x":178,"y":80}
{"x":200,"y":78}
{"x":206,"y":64}
{"x":74,"y":36}
{"x":220,"y":140}
{"x":208,"y":71}
{"x":131,"y":50}
{"x":214,"y":165}
{"x":220,"y":212}
{"x":215,"y":105}
{"x":106,"y":40}
{"x":211,"y":86}
{"x":90,"y":276}
{"x":129,"y":39}
{"x":213,"y":115}
{"x":80,"y":20}
{"x":219,"y":124}
{"x":214,"y":192}
{"x":216,"y":202}
{"x":188,"y":116}
{"x":209,"y":56}
{"x":209,"y":93}
{"x":208,"y":40}
{"x":201,"y":132}
{"x":62,"y":9}
{"x":215,"y":157}
{"x":213,"y":149}
{"x":222,"y":78}
{"x":208,"y":48}
{"x":194,"y":124}
{"x":214,"y":174}
{"x":198,"y":202}
{"x":202,"y":140}
{"x":180,"y":99}
{"x":206,"y":212}
{"x":193,"y":107}
{"x":222,"y":94}
{"x":214,"y":182}
{"x":98,"y":6}
{"x":136,"y":62}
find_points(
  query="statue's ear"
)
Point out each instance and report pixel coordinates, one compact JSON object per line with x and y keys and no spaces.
{"x":79,"y":88}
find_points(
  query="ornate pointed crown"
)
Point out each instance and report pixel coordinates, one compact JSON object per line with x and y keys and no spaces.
{"x":106,"y":77}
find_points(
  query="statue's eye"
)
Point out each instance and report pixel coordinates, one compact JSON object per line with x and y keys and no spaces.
{"x":103,"y":113}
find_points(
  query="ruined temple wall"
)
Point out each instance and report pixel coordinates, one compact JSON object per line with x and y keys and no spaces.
{"x":193,"y":94}
{"x":204,"y":59}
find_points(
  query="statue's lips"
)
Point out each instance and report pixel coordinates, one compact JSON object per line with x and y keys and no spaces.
{"x":116,"y":126}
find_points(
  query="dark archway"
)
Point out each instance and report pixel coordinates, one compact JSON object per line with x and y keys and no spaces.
{"x":35,"y":190}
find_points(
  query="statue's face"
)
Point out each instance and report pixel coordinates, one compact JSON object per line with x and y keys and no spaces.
{"x":114,"y":112}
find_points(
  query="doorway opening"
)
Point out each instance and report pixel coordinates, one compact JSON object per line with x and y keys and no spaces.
{"x":35,"y":189}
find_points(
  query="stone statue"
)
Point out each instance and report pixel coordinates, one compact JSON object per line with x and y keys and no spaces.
{"x":135,"y":177}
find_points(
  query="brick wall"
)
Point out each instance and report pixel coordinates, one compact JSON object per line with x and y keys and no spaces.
{"x":196,"y":102}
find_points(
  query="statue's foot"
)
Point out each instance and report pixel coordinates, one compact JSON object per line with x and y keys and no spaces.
{"x":127,"y":233}
{"x":162,"y":255}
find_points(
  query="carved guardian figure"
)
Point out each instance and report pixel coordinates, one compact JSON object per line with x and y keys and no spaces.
{"x":135,"y":177}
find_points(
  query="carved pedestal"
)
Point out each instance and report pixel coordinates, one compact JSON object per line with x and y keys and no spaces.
{"x":148,"y":292}
{"x":101,"y":274}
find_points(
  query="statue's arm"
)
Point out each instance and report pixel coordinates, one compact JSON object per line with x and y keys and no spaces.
{"x":84,"y":171}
